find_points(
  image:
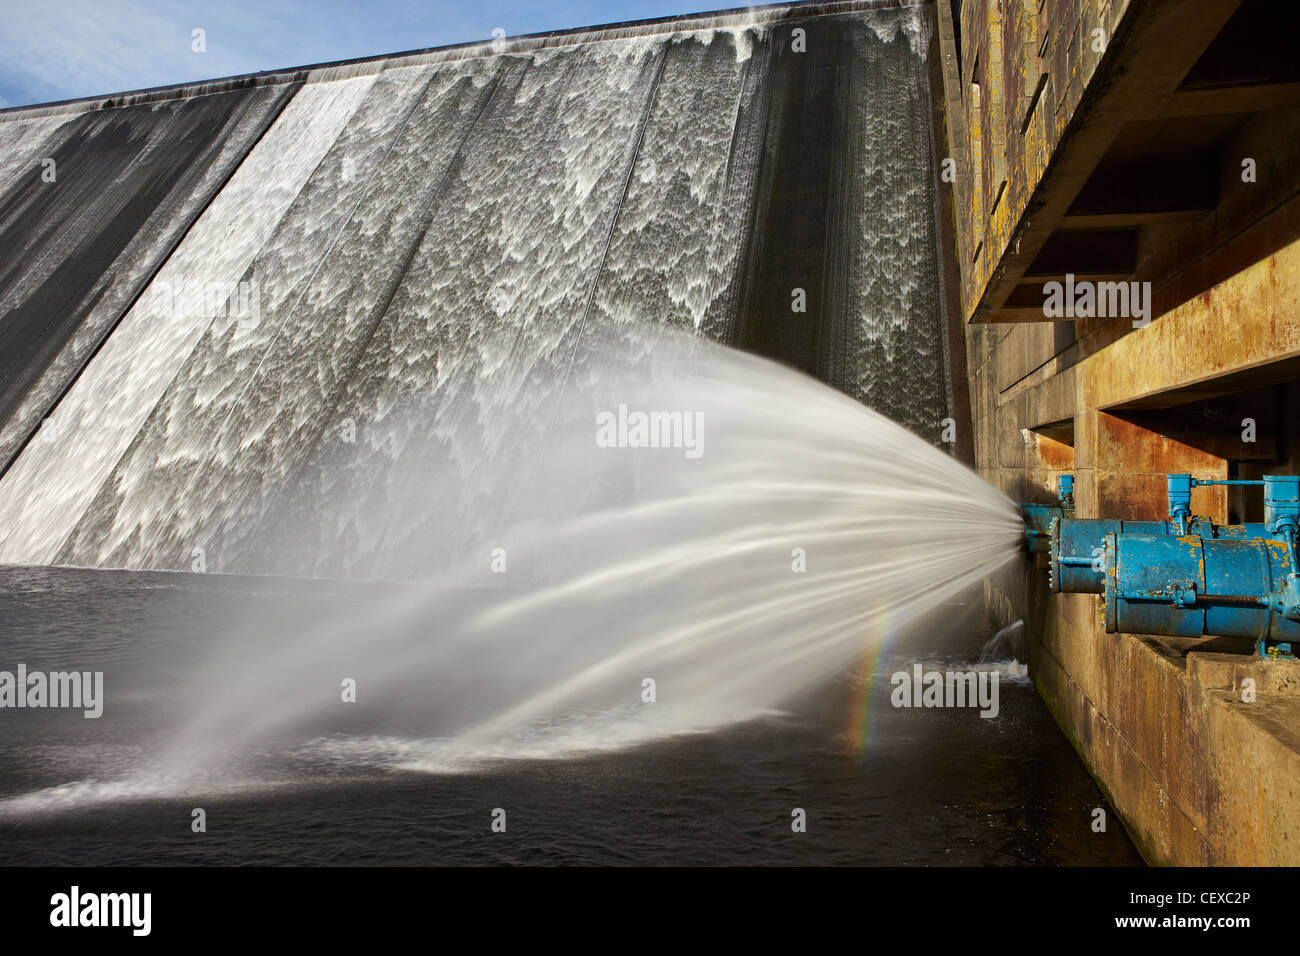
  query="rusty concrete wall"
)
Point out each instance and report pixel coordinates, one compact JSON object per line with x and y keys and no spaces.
{"x":1198,"y":775}
{"x":1024,"y":65}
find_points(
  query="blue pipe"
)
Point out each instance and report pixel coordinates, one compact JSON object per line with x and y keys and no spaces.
{"x":1190,"y":586}
{"x":1185,"y":576}
{"x":1038,"y":518}
{"x":1075,"y":547}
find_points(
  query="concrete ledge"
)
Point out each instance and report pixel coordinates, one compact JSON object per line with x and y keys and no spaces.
{"x":1163,"y":831}
{"x":1198,"y":775}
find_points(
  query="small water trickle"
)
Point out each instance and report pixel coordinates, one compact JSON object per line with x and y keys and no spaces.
{"x":1007,"y":651}
{"x":1007,"y":644}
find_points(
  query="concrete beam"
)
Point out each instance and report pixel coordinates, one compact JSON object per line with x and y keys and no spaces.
{"x":1256,"y":98}
{"x":1155,"y":47}
{"x":1109,"y":253}
{"x":1139,"y":190}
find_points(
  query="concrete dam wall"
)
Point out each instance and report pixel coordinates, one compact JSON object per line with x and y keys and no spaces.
{"x":206,"y":285}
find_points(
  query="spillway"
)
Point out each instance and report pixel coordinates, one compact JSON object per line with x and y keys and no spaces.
{"x":239,"y":304}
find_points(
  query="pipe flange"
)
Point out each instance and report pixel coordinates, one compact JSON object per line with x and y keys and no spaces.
{"x":1110,"y":573}
{"x":1054,"y":555}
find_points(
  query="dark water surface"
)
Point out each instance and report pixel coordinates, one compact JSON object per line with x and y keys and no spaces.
{"x":928,"y":787}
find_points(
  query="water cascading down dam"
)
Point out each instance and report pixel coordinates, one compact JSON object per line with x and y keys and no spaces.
{"x":246,"y":300}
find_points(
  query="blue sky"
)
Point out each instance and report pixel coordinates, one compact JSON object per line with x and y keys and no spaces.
{"x":60,"y":49}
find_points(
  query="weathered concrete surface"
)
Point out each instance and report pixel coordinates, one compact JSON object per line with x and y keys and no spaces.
{"x":1199,"y":774}
{"x":1023,"y":70}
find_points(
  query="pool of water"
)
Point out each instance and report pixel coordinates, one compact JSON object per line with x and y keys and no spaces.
{"x":876,"y":784}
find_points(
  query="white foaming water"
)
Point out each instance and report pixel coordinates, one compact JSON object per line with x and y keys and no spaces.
{"x":429,"y":236}
{"x":808,"y":529}
{"x":45,"y":491}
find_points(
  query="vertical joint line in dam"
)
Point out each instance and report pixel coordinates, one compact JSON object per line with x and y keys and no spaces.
{"x":609,"y":237}
{"x":747,"y":121}
{"x":791,"y":242}
{"x":203,"y":462}
{"x":277,"y":107}
{"x":435,"y":193}
{"x":735,"y":130}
